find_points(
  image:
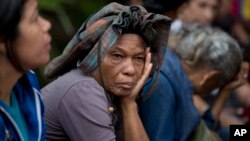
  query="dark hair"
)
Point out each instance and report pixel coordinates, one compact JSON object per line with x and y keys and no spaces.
{"x":162,"y":6}
{"x":10,"y":15}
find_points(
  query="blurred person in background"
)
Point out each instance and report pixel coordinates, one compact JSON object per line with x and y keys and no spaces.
{"x":234,"y":24}
{"x":24,"y":45}
{"x":201,"y":61}
{"x":204,"y":12}
{"x":200,"y":12}
{"x":167,"y":8}
{"x":230,"y":18}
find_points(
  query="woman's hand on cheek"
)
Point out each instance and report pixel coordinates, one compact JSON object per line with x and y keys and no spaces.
{"x":147,"y":69}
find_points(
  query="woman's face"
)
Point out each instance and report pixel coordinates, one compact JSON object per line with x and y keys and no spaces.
{"x":122,"y":66}
{"x":200,"y":11}
{"x":33,"y":41}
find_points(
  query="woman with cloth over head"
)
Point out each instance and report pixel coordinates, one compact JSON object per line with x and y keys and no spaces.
{"x":101,"y":73}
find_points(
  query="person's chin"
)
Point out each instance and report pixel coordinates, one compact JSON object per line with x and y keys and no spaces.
{"x":44,"y":60}
{"x":122,"y":92}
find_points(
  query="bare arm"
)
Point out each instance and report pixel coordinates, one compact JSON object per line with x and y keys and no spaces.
{"x":228,"y":117}
{"x":220,"y":102}
{"x":133,"y":127}
{"x":200,"y":104}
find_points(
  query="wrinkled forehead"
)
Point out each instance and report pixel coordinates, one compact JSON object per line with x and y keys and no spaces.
{"x":132,"y":38}
{"x":129,"y":42}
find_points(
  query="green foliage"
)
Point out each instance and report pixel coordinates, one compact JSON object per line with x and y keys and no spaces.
{"x":66,"y":17}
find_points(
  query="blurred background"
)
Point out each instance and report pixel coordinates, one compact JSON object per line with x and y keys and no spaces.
{"x":66,"y":17}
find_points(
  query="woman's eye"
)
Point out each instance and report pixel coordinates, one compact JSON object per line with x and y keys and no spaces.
{"x":139,"y":59}
{"x":35,"y":15}
{"x":117,"y":56}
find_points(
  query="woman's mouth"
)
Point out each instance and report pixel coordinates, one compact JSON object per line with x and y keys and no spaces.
{"x":48,"y":46}
{"x":126,"y":85}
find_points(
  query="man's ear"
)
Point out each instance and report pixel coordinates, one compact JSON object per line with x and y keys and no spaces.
{"x":210,"y":77}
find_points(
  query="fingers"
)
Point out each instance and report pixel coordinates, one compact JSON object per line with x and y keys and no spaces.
{"x":146,"y":73}
{"x":241,"y":76}
{"x":148,"y":58}
{"x":147,"y":69}
{"x":245,"y":69}
{"x":240,"y":79}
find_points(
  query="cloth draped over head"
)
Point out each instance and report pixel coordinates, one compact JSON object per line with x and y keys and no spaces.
{"x":100,"y":32}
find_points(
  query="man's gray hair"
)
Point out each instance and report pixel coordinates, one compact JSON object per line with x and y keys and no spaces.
{"x":208,"y":48}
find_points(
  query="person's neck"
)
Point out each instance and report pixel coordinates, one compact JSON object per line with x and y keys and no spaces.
{"x":184,"y":19}
{"x":8,"y":78}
